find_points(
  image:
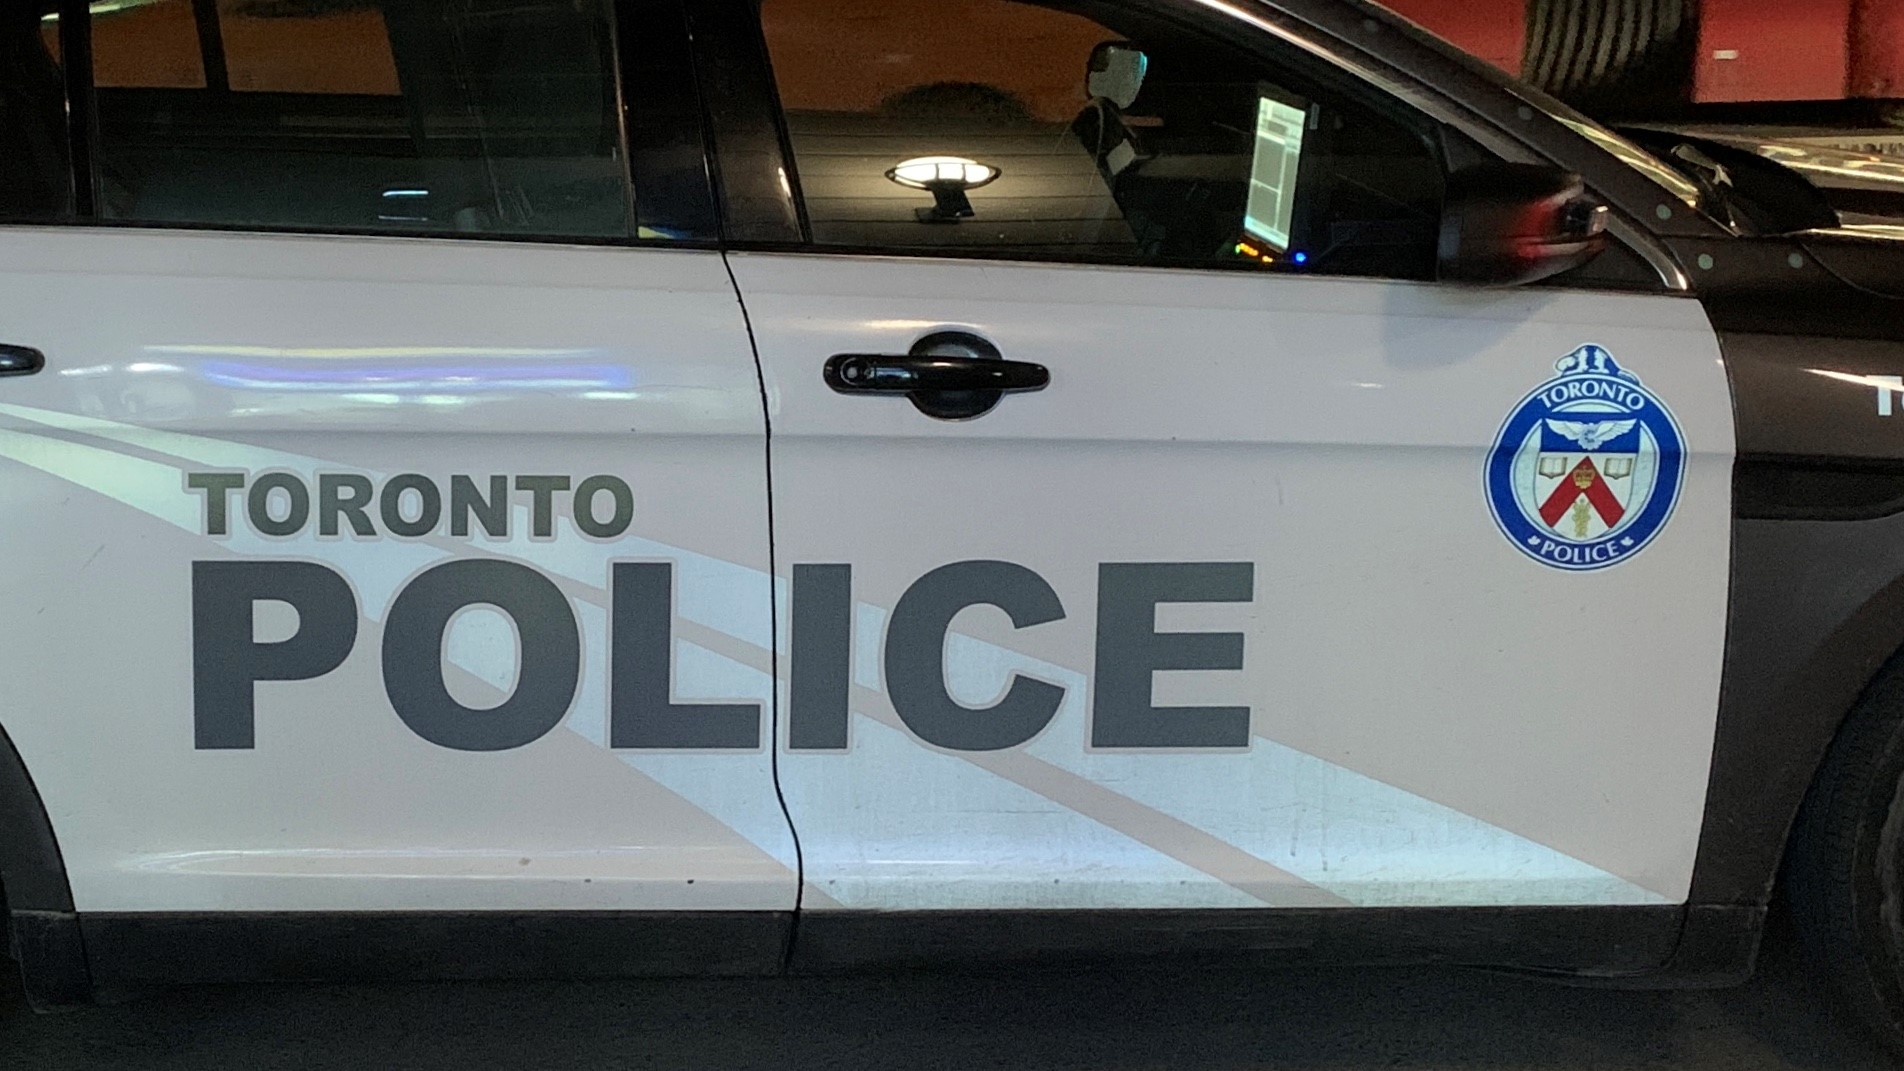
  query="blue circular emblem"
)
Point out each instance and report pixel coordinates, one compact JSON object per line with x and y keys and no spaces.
{"x":1588,"y":467}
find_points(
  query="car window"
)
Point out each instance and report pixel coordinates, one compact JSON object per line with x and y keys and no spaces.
{"x":481,"y":117}
{"x":35,"y":185}
{"x":1091,"y":132}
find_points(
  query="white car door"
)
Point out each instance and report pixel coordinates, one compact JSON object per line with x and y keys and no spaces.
{"x":1305,"y":581}
{"x":379,"y":572}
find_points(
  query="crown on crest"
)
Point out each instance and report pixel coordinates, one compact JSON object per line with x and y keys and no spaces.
{"x":1592,"y":361}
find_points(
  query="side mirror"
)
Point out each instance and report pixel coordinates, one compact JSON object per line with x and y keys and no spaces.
{"x":1507,"y":224}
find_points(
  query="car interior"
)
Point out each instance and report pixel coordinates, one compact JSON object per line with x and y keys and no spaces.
{"x":505,"y":121}
{"x":1161,"y":147}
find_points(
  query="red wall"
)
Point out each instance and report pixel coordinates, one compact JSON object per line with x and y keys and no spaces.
{"x":1877,"y":48}
{"x":1785,"y":49}
{"x":1763,"y":50}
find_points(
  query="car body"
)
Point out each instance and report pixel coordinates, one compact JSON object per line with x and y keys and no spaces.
{"x":491,"y":523}
{"x":1863,"y":186}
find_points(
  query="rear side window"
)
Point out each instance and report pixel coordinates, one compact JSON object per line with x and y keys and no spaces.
{"x":35,"y":184}
{"x":480,"y":117}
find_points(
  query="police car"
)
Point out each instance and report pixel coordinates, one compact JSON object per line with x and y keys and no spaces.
{"x":634,"y":486}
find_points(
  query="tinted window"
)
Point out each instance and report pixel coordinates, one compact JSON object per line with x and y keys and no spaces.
{"x":1095,"y":132}
{"x":34,"y":181}
{"x":465,"y":116}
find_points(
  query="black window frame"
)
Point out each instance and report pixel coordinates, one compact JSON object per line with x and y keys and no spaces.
{"x":67,"y":136}
{"x":76,"y":62}
{"x":663,"y":138}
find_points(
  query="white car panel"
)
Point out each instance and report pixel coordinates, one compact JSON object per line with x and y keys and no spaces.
{"x":1435,"y":717}
{"x":175,"y":353}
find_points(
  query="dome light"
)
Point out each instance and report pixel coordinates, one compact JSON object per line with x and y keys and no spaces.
{"x":928,"y":172}
{"x":947,"y":178}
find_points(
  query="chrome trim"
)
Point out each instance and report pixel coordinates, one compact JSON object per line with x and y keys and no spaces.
{"x":624,"y":144}
{"x":1627,"y":231}
{"x":1870,"y":232}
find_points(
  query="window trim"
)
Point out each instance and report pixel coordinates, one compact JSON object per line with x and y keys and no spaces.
{"x":678,"y":98}
{"x":82,"y":126}
{"x":741,"y":112}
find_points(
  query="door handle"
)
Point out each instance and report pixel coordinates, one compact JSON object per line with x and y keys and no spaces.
{"x":948,"y":375}
{"x":20,"y":360}
{"x":865,"y":373}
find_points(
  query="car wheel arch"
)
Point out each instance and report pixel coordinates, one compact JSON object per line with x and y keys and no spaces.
{"x":43,"y":929}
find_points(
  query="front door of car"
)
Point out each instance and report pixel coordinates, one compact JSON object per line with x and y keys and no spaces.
{"x":388,"y":526}
{"x":1305,"y":581}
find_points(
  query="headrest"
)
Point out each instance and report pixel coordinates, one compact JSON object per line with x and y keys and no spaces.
{"x":1116,"y":73}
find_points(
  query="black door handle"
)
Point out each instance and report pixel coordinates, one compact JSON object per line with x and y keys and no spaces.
{"x":865,"y":373}
{"x":949,"y":375}
{"x":20,"y":360}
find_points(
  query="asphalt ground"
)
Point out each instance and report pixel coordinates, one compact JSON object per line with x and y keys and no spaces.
{"x":1102,"y":1020}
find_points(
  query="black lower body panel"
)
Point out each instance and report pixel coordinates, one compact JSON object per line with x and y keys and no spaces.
{"x":1646,"y":945}
{"x":130,"y":949}
{"x":52,"y":958}
{"x":1591,"y":940}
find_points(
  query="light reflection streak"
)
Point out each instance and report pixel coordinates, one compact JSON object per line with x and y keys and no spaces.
{"x":419,"y":379}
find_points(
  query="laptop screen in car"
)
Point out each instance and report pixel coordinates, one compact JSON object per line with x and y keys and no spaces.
{"x":1272,"y":194}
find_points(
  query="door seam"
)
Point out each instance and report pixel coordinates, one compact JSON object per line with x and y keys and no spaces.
{"x":773,"y":587}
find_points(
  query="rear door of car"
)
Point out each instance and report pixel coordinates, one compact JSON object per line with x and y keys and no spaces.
{"x":387,"y":528}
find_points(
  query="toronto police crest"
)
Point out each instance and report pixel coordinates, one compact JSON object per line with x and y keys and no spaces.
{"x":1588,"y":467}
